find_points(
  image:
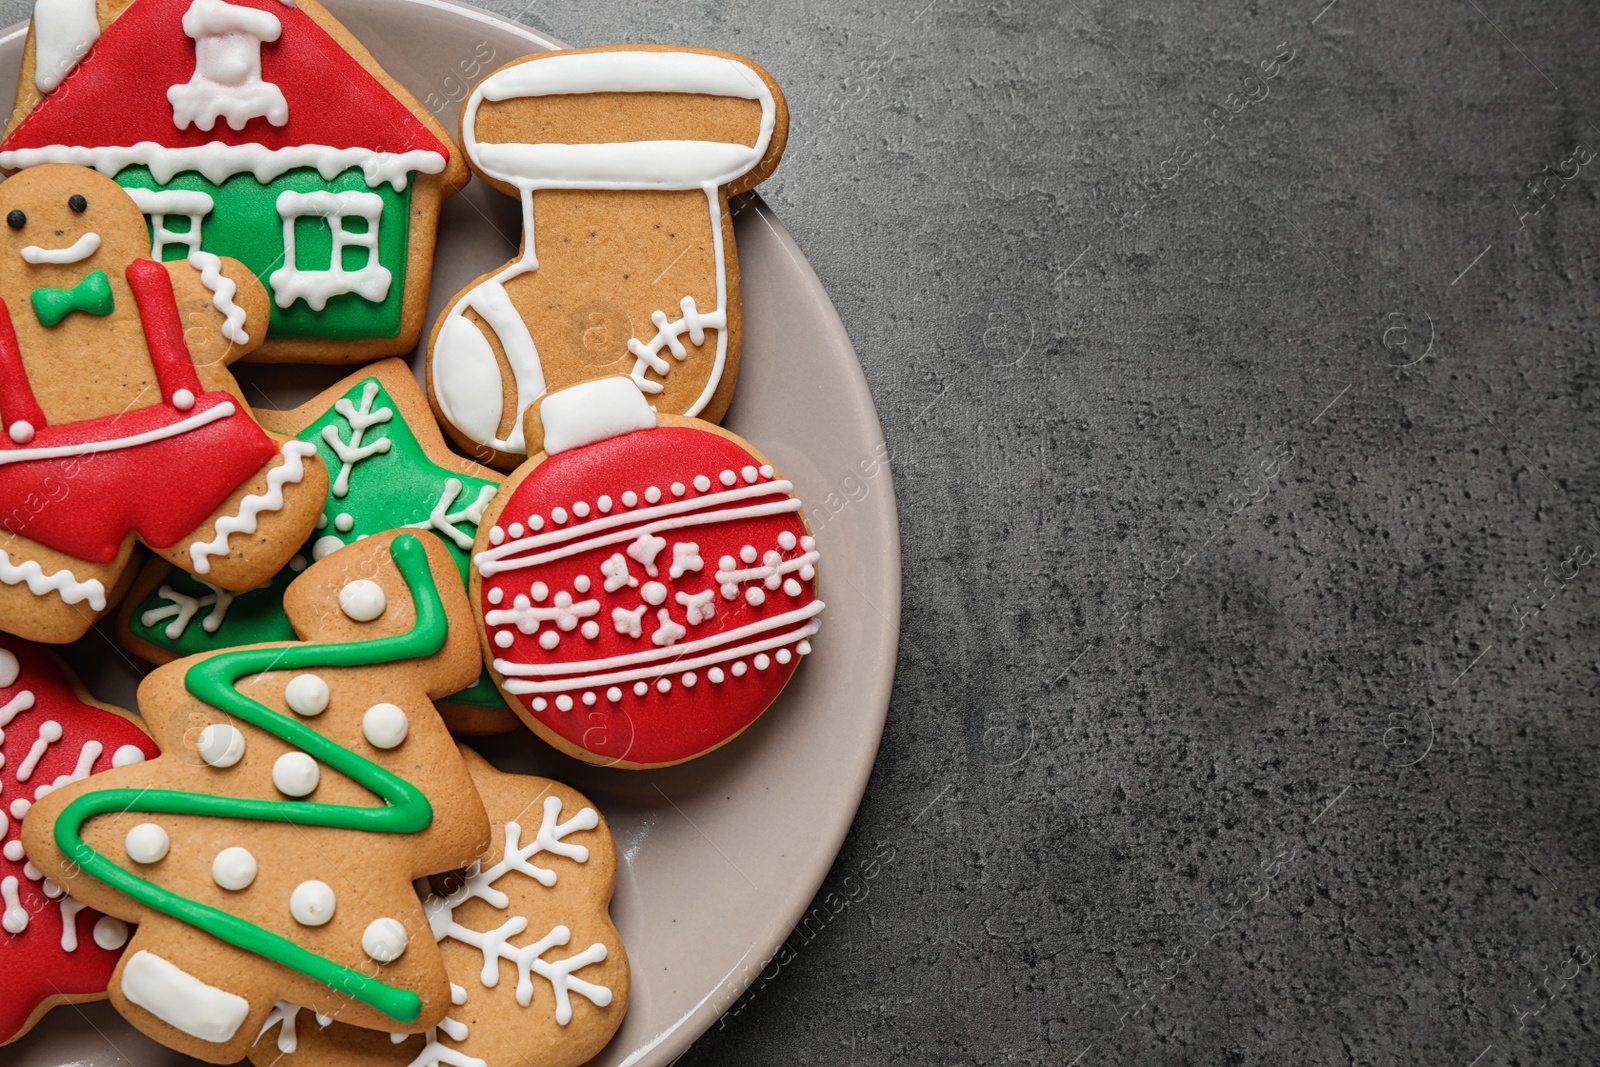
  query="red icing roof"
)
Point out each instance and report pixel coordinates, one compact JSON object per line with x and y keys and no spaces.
{"x":118,"y":94}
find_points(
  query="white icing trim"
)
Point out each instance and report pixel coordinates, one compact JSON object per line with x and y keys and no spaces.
{"x":218,"y":162}
{"x":194,"y":422}
{"x":360,"y":420}
{"x":444,"y":521}
{"x":63,"y":33}
{"x":181,"y":609}
{"x":636,"y":665}
{"x":222,"y":291}
{"x":63,"y":583}
{"x":628,"y":526}
{"x":76,"y":252}
{"x":593,"y":411}
{"x":625,"y":165}
{"x":370,"y":281}
{"x":253,"y":506}
{"x":181,"y":1000}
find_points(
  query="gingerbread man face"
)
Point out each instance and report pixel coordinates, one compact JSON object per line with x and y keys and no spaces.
{"x":69,"y":235}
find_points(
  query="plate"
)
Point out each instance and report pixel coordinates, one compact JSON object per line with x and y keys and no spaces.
{"x":721,"y":856}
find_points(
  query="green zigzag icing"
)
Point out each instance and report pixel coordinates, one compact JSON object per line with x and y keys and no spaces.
{"x":406,"y":809}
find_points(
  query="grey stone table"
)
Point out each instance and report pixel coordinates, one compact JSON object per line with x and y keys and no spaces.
{"x":1238,"y":365}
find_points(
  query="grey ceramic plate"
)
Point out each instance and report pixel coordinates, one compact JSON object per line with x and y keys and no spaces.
{"x":722,"y":855}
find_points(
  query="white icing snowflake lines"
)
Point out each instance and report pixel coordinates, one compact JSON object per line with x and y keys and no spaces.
{"x":494,"y":944}
{"x":360,"y":420}
{"x":181,"y":609}
{"x":442,"y":520}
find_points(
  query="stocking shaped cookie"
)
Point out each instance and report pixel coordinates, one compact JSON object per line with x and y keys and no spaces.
{"x":537,"y":970}
{"x":390,"y":469}
{"x":624,"y":159}
{"x":53,"y":949}
{"x":268,"y":853}
{"x":256,"y":129}
{"x":120,"y":418}
{"x":647,"y":585}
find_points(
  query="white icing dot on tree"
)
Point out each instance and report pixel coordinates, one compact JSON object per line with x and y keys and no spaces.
{"x":362,"y":600}
{"x":295,"y":774}
{"x":312,"y":903}
{"x":385,"y":726}
{"x":127,"y":755}
{"x":234,"y":868}
{"x":307,"y":694}
{"x":110,"y":932}
{"x":146,"y":843}
{"x":325,"y":546}
{"x":384,"y":940}
{"x":220,"y":745}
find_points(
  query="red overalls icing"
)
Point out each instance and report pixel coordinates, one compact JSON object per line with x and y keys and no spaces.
{"x":158,"y":471}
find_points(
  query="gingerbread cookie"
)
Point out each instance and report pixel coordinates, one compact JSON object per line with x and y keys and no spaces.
{"x":624,"y":159}
{"x":553,"y":1000}
{"x":391,"y":469}
{"x":53,"y":949}
{"x":268,"y":854}
{"x":120,"y":418}
{"x":254,"y":129}
{"x":646,"y":586}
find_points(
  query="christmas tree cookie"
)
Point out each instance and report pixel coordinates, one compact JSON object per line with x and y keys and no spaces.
{"x":646,"y":586}
{"x":624,"y":159}
{"x":390,"y":469}
{"x":268,"y":854}
{"x":53,"y":948}
{"x":538,"y":972}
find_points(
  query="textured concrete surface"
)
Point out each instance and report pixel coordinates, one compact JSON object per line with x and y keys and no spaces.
{"x":1244,"y":440}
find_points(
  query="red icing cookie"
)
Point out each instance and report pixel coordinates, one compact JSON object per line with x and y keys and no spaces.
{"x":647,"y":586}
{"x":52,"y":949}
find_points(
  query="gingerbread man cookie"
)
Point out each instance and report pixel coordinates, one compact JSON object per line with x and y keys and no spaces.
{"x":120,"y":420}
{"x":268,"y":854}
{"x":254,"y":129}
{"x":647,"y":585}
{"x":554,"y":1000}
{"x":624,"y":159}
{"x":391,"y":469}
{"x":53,"y":949}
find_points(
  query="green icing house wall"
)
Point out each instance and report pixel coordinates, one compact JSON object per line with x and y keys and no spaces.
{"x":244,"y":224}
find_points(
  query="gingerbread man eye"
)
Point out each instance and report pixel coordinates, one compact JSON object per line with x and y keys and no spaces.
{"x":16,"y":219}
{"x":77,"y":203}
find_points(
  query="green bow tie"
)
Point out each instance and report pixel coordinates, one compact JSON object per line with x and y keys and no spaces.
{"x":93,"y":295}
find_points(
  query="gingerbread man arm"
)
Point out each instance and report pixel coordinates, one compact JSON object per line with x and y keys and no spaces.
{"x":224,"y":308}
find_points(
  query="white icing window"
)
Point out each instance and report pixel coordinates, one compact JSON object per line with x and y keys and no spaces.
{"x":160,"y":205}
{"x":227,"y":81}
{"x":369,"y":280}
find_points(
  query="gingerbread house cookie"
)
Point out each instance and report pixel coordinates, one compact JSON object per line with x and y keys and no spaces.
{"x":254,"y":129}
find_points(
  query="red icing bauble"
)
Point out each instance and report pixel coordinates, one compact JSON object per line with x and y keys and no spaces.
{"x":35,"y":962}
{"x":646,"y":597}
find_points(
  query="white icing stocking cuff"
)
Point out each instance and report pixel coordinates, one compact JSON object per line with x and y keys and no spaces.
{"x":593,"y":411}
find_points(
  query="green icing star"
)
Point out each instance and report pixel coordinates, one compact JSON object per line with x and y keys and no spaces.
{"x":381,"y":479}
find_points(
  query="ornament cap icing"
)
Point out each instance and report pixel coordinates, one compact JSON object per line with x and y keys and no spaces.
{"x":590,"y":411}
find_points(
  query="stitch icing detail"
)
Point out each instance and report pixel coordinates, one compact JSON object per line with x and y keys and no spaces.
{"x":253,"y":506}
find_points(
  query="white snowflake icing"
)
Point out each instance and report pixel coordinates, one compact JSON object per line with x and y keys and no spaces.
{"x":667,"y":631}
{"x":699,"y":607}
{"x":616,"y":574}
{"x":181,"y":609}
{"x":628,"y":623}
{"x":646,"y":549}
{"x":528,"y":612}
{"x":771,"y":571}
{"x":360,"y":420}
{"x":495,"y":944}
{"x":443,"y":520}
{"x":685,"y":558}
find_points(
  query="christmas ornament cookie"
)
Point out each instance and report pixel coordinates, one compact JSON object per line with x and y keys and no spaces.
{"x":538,"y":972}
{"x":120,"y":418}
{"x":645,"y":587}
{"x":254,"y":129}
{"x":268,"y":853}
{"x":53,"y":949}
{"x":391,"y":469}
{"x":624,"y":159}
